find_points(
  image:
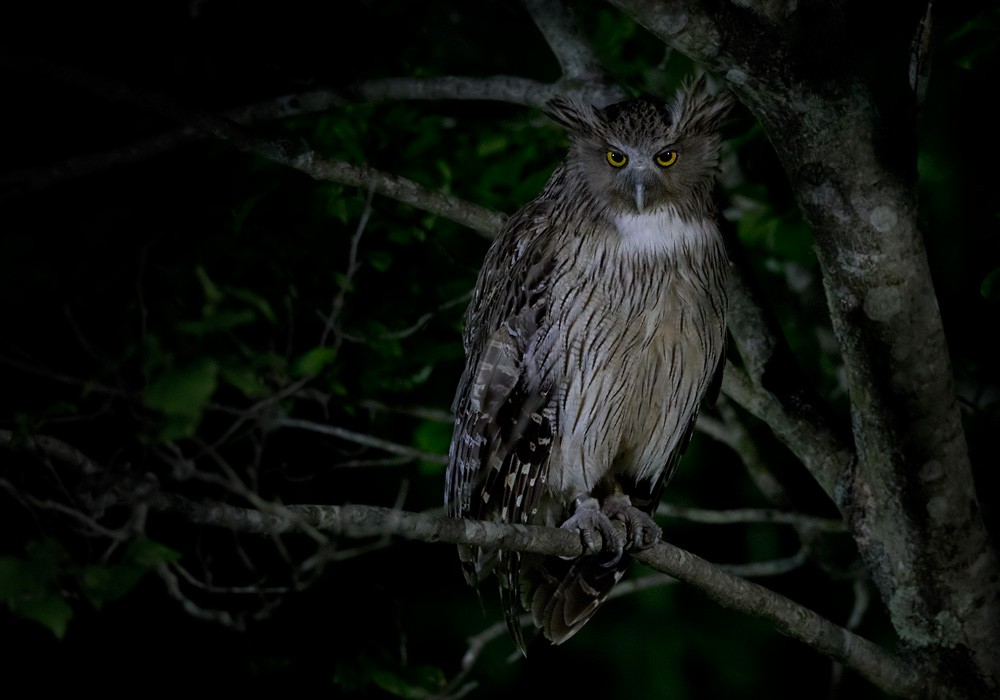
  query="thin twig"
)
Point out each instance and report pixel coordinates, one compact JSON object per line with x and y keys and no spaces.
{"x":731,"y":432}
{"x":361,"y":439}
{"x":433,"y":414}
{"x":751,"y":515}
{"x":173,"y":588}
{"x":346,"y":284}
{"x":254,"y":590}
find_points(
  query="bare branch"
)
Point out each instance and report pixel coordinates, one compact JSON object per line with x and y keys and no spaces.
{"x":751,"y":515}
{"x":457,"y":687}
{"x":381,"y":523}
{"x":434,"y":414}
{"x":500,"y":88}
{"x":823,"y":453}
{"x":51,"y":447}
{"x":478,"y":218}
{"x":581,"y":71}
{"x":881,"y":668}
{"x":732,"y":433}
{"x":361,"y":439}
{"x":173,"y":587}
{"x":331,"y":322}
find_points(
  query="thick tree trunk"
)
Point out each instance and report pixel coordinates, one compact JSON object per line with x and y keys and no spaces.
{"x":831,"y":91}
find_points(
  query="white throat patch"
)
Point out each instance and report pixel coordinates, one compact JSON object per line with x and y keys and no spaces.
{"x":660,"y":232}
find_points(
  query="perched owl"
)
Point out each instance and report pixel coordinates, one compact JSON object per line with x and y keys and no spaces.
{"x":596,"y":330}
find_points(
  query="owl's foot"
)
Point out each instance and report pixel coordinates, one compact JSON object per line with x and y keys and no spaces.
{"x":598,"y":534}
{"x":641,"y":531}
{"x":612,"y":527}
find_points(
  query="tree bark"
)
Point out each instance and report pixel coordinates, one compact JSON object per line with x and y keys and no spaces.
{"x":829,"y":86}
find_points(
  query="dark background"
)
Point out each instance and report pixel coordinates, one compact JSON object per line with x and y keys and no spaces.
{"x":103,"y":293}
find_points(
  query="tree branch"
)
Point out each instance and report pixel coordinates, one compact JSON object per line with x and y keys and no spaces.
{"x":357,"y":521}
{"x":362,"y":439}
{"x":581,"y":71}
{"x":750,"y":515}
{"x":301,"y":158}
{"x":51,"y":447}
{"x":498,"y":88}
{"x":913,"y":510}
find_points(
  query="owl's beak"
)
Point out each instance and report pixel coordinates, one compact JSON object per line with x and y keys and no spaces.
{"x":640,"y":191}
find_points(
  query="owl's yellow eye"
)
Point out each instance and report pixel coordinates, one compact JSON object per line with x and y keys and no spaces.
{"x":617,"y":158}
{"x":666,"y":159}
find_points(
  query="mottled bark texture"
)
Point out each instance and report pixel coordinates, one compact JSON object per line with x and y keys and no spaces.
{"x":829,"y":82}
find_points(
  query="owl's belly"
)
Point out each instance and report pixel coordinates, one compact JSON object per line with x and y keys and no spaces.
{"x":628,"y":398}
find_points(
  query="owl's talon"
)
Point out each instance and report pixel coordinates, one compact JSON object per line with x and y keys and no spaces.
{"x":640,"y":530}
{"x":598,"y":534}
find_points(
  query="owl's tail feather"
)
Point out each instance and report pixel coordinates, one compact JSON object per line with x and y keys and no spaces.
{"x":510,"y":593}
{"x":562,"y":595}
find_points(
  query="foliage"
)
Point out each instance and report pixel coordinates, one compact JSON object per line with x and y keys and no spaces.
{"x":41,"y":585}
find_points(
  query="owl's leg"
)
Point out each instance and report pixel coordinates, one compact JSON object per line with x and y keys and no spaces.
{"x":641,"y":531}
{"x":598,"y":533}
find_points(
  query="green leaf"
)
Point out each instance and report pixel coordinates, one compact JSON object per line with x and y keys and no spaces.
{"x":16,"y":578}
{"x":242,"y":210}
{"x":47,"y":558}
{"x":245,"y":379}
{"x":176,"y":428}
{"x":312,"y":362}
{"x":381,"y":260}
{"x":28,"y":585}
{"x":255,"y":300}
{"x":411,"y":682}
{"x":149,"y":553}
{"x":491,"y":145}
{"x":24,"y":577}
{"x":183,"y":391}
{"x":106,"y":583}
{"x":49,"y":610}
{"x":217,"y":322}
{"x":435,"y":437}
{"x":990,"y":289}
{"x":208,"y":288}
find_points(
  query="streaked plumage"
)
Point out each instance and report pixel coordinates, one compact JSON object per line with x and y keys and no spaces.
{"x":596,"y":330}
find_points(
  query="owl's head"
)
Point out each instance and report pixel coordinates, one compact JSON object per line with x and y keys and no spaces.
{"x":644,"y":155}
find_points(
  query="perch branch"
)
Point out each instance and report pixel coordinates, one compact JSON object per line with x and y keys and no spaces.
{"x":881,"y":668}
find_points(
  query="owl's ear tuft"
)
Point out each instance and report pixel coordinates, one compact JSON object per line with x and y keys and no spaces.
{"x":699,"y":112}
{"x":572,"y":116}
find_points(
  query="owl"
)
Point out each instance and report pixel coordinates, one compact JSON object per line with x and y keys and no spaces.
{"x":595,"y":333}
